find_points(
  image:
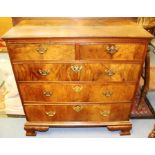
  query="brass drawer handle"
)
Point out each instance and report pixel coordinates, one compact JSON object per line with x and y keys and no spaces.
{"x":43,"y":72}
{"x":109,"y":72}
{"x":77,"y":108}
{"x":47,"y":93}
{"x":76,"y":68}
{"x":104,"y":113}
{"x":107,"y":93}
{"x":41,"y":50}
{"x":50,"y":113}
{"x":111,"y":49}
{"x":77,"y":89}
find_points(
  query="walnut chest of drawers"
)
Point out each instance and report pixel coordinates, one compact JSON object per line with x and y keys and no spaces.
{"x":77,"y":72}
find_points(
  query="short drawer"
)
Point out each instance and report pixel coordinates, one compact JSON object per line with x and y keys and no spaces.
{"x":117,"y":51}
{"x":79,"y":112}
{"x":19,"y":52}
{"x":69,"y":92}
{"x":77,"y":72}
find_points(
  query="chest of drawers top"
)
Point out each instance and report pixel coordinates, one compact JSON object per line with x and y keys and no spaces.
{"x":73,"y":27}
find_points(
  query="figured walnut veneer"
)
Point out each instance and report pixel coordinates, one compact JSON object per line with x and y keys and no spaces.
{"x":73,"y":72}
{"x":126,"y":51}
{"x":86,"y":112}
{"x":21,"y":52}
{"x":77,"y":92}
{"x":89,"y":72}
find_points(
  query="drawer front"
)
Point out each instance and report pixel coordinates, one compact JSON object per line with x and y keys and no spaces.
{"x":80,"y":112}
{"x":77,"y":72}
{"x":118,"y":51}
{"x":19,"y":52}
{"x":61,"y":92}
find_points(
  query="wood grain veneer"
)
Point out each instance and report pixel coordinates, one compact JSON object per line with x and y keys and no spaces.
{"x":77,"y":92}
{"x":88,"y":112}
{"x":89,"y":72}
{"x":126,"y":51}
{"x":41,"y":52}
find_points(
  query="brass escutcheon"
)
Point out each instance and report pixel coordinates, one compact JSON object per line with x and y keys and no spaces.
{"x":43,"y":72}
{"x":109,"y":72}
{"x":104,"y":113}
{"x":111,"y":49}
{"x":107,"y":93}
{"x":77,"y":89}
{"x":47,"y":93}
{"x":76,"y":68}
{"x":50,"y":113}
{"x":41,"y":50}
{"x":77,"y":108}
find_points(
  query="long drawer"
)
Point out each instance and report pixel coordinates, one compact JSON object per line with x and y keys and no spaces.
{"x":116,"y":51}
{"x":80,"y":112}
{"x":20,"y":52}
{"x":77,"y":72}
{"x":77,"y":92}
